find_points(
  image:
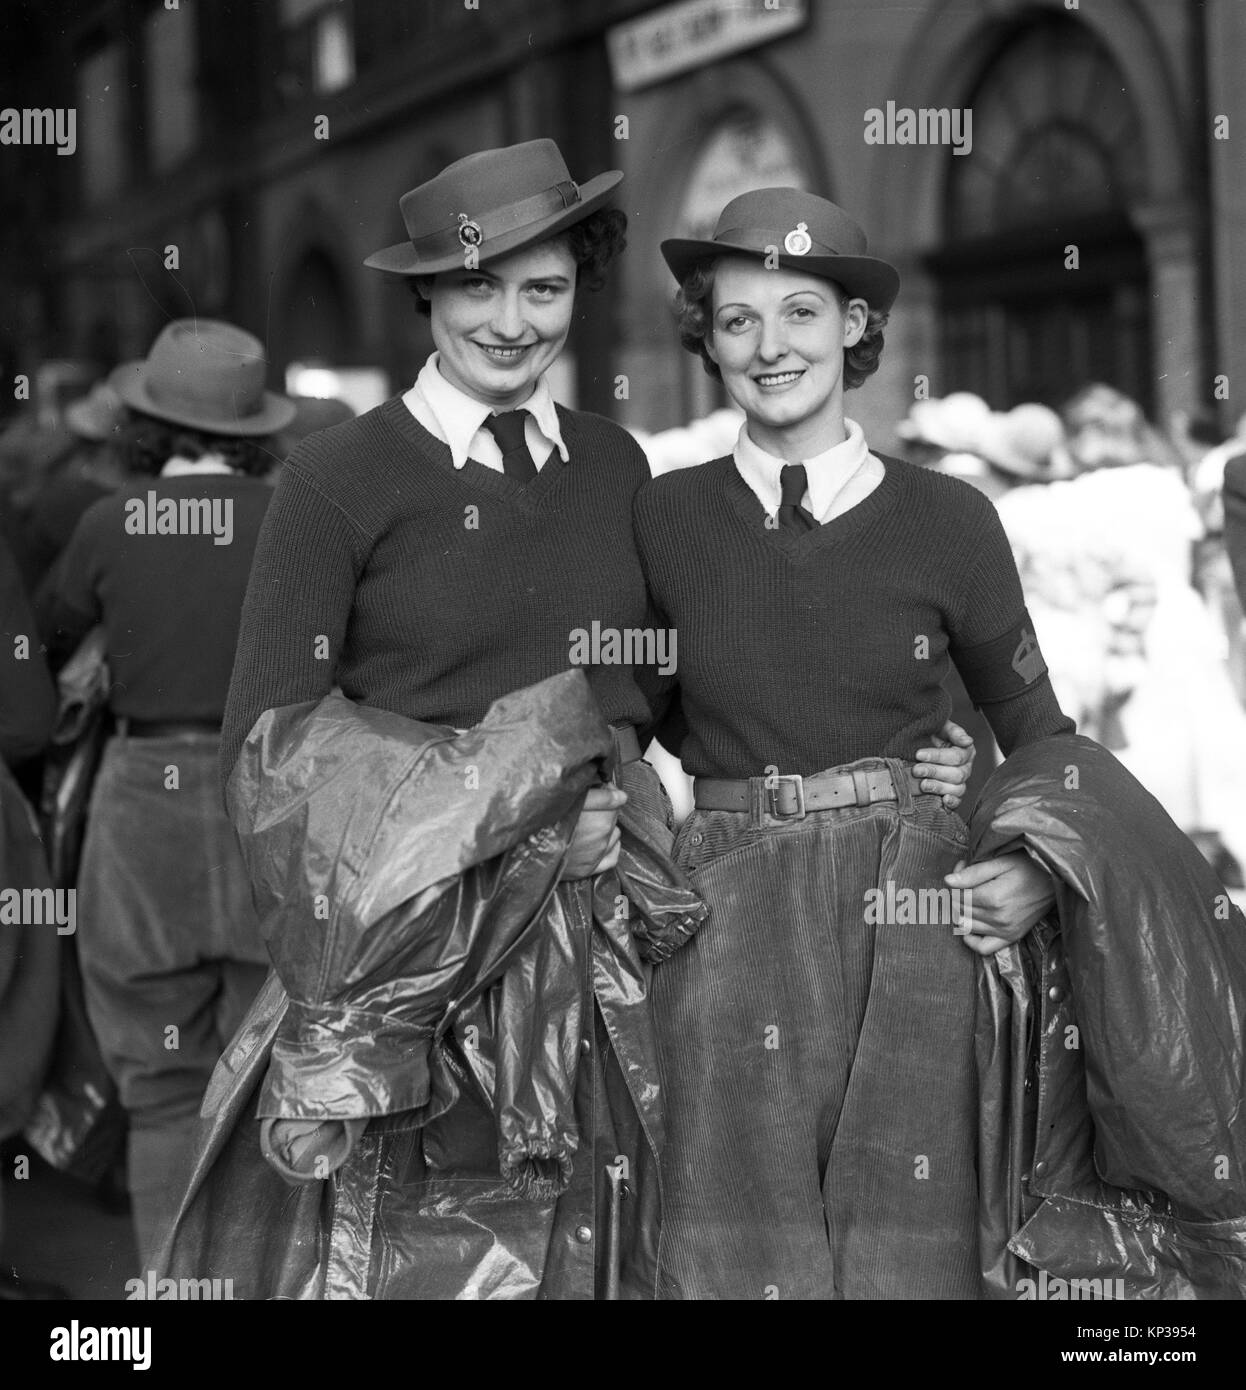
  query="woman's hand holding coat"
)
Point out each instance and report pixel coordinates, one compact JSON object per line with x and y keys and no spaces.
{"x":594,"y":844}
{"x":1009,"y":894}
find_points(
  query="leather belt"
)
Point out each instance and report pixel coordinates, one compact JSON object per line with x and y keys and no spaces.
{"x":790,"y":797}
{"x":626,"y":743}
{"x":164,"y":728}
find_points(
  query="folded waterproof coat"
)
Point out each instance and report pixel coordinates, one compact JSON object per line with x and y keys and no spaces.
{"x":432,"y":976}
{"x":1111,"y":1047}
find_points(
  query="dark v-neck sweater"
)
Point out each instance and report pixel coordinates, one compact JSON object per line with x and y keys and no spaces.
{"x":432,"y":591}
{"x":803,"y":652}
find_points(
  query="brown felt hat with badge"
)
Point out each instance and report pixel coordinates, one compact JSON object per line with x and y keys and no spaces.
{"x":490,"y":203}
{"x":802,"y":232}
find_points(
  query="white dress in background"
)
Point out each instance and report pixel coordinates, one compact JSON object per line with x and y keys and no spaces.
{"x":1135,"y":656}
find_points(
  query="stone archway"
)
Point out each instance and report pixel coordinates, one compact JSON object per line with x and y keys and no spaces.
{"x":947,"y":64}
{"x":1043,"y":278}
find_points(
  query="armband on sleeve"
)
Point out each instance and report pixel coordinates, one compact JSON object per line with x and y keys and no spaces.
{"x":1003,"y":667}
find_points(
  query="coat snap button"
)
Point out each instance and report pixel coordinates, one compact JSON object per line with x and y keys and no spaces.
{"x":584,"y":1234}
{"x":1040,"y":1168}
{"x":1055,"y":994}
{"x":585,"y":1046}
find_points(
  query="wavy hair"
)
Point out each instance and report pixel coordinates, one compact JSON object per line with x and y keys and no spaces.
{"x":145,"y":444}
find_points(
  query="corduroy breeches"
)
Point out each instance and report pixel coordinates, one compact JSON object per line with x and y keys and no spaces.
{"x":817,"y":1056}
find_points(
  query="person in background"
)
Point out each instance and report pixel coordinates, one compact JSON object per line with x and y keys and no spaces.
{"x":170,"y":947}
{"x":1106,"y":560}
{"x":27,"y":695}
{"x":1107,"y":429}
{"x":30,"y":453}
{"x":1220,"y":565}
{"x":1208,"y":470}
{"x":53,"y":504}
{"x":1023,"y":446}
{"x":311,"y":413}
{"x":1234,"y":508}
{"x":946,"y":433}
{"x":994,"y":452}
{"x":28,"y":950}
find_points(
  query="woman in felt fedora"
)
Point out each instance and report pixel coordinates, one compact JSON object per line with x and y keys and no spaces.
{"x":168,"y":940}
{"x":428,"y":558}
{"x":815,"y":1040}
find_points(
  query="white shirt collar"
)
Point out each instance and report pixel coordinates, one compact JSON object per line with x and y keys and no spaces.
{"x":461,"y":416}
{"x":827,"y":472}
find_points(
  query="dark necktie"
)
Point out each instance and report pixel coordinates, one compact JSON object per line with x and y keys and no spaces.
{"x":507,"y":429}
{"x":793,"y":483}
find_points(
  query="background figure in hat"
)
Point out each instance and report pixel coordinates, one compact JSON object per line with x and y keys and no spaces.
{"x":50,"y":503}
{"x":169,"y":943}
{"x":946,"y":433}
{"x":992,"y":450}
{"x":1025,"y":445}
{"x":820,"y":589}
{"x":1107,"y":561}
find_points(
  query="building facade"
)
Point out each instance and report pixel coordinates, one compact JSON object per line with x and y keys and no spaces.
{"x":1092,"y":229}
{"x":241,"y":160}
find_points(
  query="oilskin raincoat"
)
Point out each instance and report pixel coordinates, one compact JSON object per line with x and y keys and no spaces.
{"x":432,"y":976}
{"x":1111,"y":1047}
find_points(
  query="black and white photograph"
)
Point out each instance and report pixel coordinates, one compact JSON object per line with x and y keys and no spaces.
{"x":623,"y":672}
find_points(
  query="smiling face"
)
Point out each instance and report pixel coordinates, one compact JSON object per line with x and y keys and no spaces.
{"x":778,"y":337}
{"x":499,"y":327}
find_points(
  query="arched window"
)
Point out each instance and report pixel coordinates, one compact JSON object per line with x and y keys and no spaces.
{"x":1043,"y":280}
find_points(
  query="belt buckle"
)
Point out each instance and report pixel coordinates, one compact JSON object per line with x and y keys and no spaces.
{"x":772,"y":797}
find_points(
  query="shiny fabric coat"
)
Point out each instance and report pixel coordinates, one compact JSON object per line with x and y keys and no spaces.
{"x":1111,"y":1047}
{"x":433,"y":976}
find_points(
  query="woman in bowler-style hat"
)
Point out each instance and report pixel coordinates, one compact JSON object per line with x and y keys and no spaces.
{"x":167,"y":936}
{"x":817,"y":1033}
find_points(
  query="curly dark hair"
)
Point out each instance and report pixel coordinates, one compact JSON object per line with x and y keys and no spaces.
{"x":145,"y":444}
{"x":694,"y":306}
{"x":593,"y":243}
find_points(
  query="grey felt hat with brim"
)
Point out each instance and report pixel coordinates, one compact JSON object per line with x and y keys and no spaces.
{"x":205,"y":374}
{"x":795,"y":230}
{"x":489,"y":204}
